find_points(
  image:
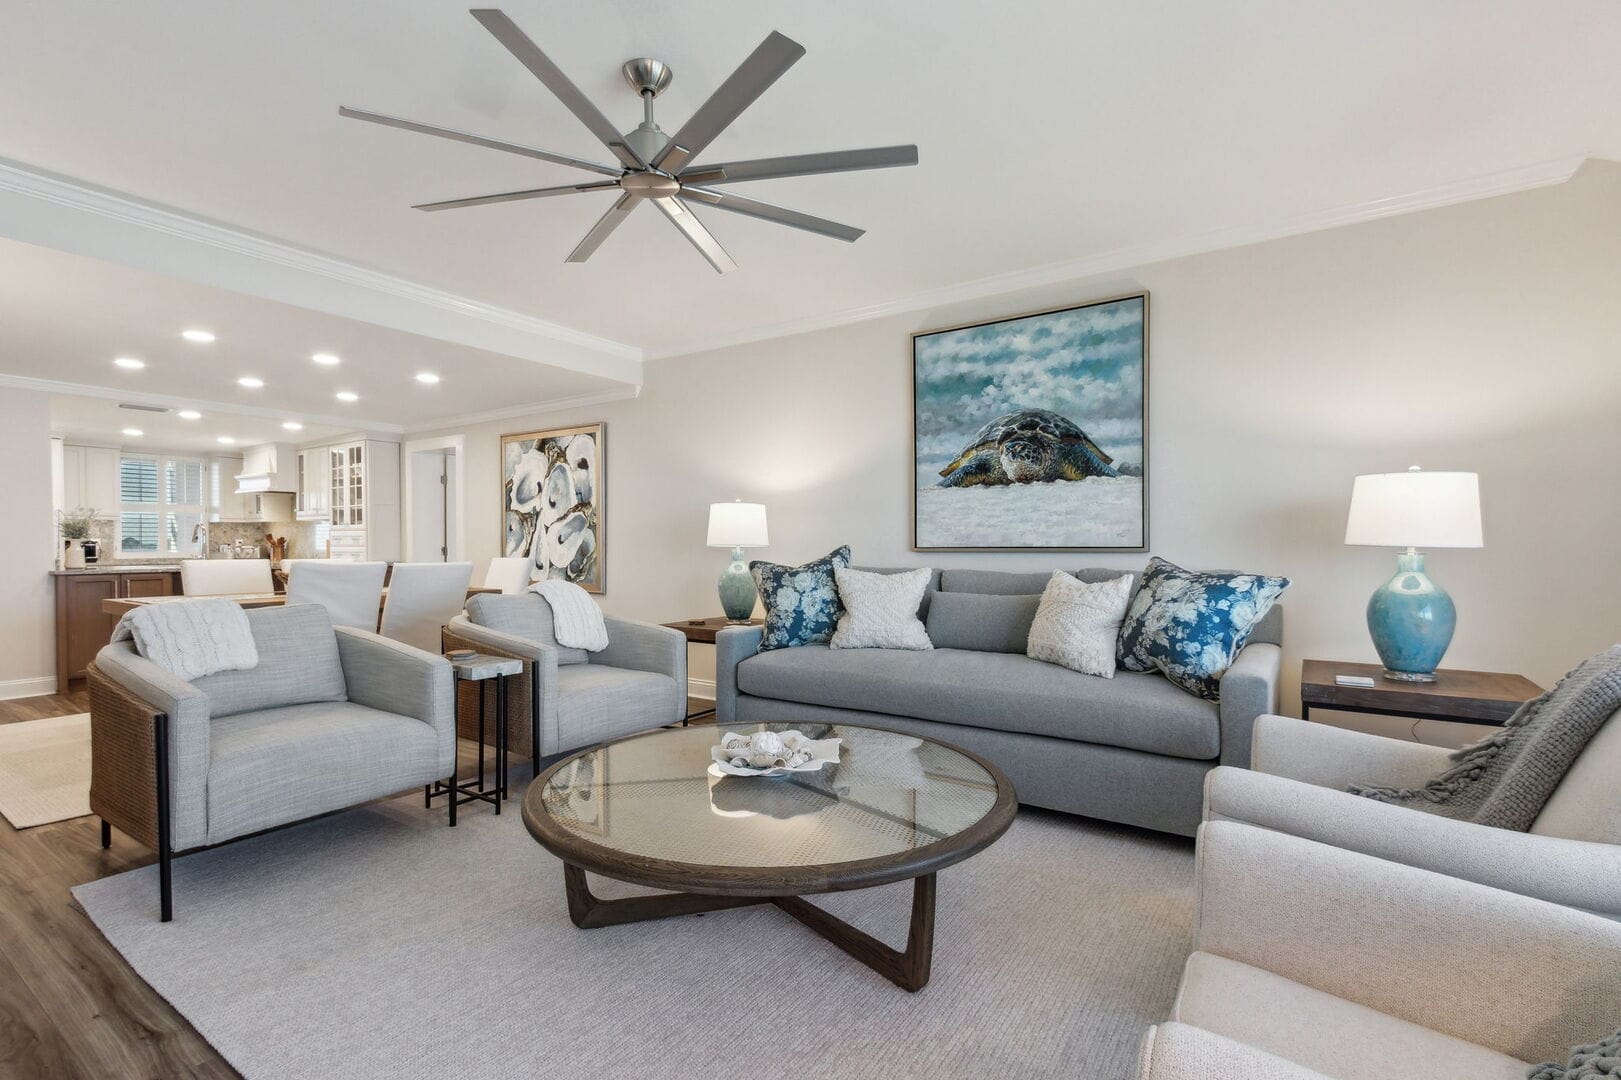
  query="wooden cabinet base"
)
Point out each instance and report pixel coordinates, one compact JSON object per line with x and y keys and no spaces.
{"x":907,"y":969}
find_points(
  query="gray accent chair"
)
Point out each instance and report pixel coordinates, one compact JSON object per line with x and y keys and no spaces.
{"x":329,"y":718}
{"x":566,"y":698}
{"x":1133,"y":749}
{"x":1314,"y":962}
{"x":1571,"y":855}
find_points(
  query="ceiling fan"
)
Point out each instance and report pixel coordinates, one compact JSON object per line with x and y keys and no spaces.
{"x":655,"y":167}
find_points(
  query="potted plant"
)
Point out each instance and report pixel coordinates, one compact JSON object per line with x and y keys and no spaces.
{"x":75,"y":527}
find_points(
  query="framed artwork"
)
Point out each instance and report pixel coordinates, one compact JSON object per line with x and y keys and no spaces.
{"x":554,"y":506}
{"x":1030,"y":433}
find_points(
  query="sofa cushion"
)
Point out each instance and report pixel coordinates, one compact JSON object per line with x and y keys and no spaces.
{"x":1173,"y":1051}
{"x":992,"y":690}
{"x":928,"y":594}
{"x":273,"y":766}
{"x":1341,"y":1038}
{"x":880,"y":610}
{"x":981,"y":622}
{"x":596,"y":703}
{"x":1015,"y":583}
{"x":525,"y":615}
{"x":1078,"y":623}
{"x":801,"y":602}
{"x":298,"y":664}
{"x":1587,"y":803}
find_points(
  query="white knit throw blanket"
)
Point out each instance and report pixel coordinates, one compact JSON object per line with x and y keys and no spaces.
{"x":576,"y":619}
{"x":191,"y":638}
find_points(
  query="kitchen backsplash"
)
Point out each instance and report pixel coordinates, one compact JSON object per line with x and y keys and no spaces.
{"x":301,"y":539}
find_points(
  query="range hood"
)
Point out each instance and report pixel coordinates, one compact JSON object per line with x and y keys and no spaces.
{"x":268,"y":467}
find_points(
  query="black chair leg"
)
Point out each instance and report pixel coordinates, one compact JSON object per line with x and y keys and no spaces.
{"x":160,"y":745}
{"x":106,"y":834}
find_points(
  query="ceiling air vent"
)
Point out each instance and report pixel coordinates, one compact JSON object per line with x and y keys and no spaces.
{"x":143,"y":408}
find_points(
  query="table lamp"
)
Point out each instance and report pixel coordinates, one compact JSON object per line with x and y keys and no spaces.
{"x":1410,"y":617}
{"x":737,"y":525}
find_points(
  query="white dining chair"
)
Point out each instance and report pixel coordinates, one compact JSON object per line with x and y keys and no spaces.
{"x":351,"y":592}
{"x":422,"y":598}
{"x":509,"y":574}
{"x":224,"y":577}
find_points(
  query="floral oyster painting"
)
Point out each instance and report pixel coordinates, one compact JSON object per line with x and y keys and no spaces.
{"x":1030,"y":431}
{"x":552,"y":495}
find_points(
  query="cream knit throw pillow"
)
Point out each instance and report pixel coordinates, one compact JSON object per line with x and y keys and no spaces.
{"x":880,"y":610}
{"x":1078,"y":623}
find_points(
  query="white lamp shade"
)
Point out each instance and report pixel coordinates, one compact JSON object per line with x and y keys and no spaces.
{"x":1415,"y":509}
{"x":737,"y":524}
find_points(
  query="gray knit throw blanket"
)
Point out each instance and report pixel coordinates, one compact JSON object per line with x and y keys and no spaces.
{"x":1600,"y":1061}
{"x":1507,"y":778}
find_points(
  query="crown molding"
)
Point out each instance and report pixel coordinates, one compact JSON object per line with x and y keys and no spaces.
{"x":512,"y":412}
{"x":1524,"y":178}
{"x":145,"y":234}
{"x":135,"y":397}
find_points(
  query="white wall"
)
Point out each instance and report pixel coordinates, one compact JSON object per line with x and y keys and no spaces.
{"x":27,"y":551}
{"x":1484,"y":336}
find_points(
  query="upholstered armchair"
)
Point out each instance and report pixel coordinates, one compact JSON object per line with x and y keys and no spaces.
{"x":330,"y":717}
{"x":1314,"y":962}
{"x":1296,"y":784}
{"x":569,"y":698}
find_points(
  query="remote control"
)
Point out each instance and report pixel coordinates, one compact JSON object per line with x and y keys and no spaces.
{"x":1354,"y":680}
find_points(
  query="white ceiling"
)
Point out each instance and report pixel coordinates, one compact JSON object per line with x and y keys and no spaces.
{"x":66,"y":317}
{"x":101,"y":422}
{"x":1051,"y":131}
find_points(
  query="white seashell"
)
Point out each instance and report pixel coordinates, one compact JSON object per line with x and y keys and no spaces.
{"x":766,"y":742}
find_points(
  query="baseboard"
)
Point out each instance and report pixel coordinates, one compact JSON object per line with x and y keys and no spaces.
{"x":16,"y":688}
{"x":703,"y":689}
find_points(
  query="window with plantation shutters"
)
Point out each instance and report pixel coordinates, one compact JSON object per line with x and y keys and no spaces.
{"x":160,"y":503}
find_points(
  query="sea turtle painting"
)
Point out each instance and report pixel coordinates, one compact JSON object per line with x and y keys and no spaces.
{"x":1027,"y":447}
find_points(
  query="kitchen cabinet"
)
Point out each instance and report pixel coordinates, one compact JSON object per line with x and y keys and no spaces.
{"x":90,"y":478}
{"x":354,"y":487}
{"x":314,"y":485}
{"x":82,"y":628}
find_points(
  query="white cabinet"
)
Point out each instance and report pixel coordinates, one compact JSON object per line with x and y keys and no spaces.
{"x":314,"y":485}
{"x":355,"y":488}
{"x":90,"y":479}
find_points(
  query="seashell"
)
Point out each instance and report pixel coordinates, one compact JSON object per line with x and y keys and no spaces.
{"x":767,"y":761}
{"x":766,"y":742}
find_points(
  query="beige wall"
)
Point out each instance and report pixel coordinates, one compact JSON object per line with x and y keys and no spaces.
{"x":27,"y":642}
{"x":1484,"y":336}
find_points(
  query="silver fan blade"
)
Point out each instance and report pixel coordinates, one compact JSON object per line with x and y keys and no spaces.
{"x":606,"y":224}
{"x":765,"y":65}
{"x":731,"y":172}
{"x":541,"y":67}
{"x":725,"y":200}
{"x":684,"y":219}
{"x":476,"y":140}
{"x":517,"y":196}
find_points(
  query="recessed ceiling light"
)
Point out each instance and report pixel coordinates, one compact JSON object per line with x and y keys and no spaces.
{"x":130,"y":363}
{"x":189,"y":414}
{"x":292,"y":425}
{"x":134,"y":432}
{"x":427,"y":377}
{"x":347,"y":396}
{"x":201,"y":337}
{"x":252,"y":382}
{"x":325,"y":358}
{"x":225,"y":440}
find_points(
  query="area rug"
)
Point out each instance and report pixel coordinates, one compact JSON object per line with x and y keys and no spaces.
{"x":45,"y":770}
{"x":380,"y":943}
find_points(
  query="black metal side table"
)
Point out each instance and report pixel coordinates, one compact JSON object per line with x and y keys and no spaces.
{"x":480,"y":668}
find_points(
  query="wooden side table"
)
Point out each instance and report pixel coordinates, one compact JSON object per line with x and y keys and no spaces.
{"x":702,"y":632}
{"x":1468,"y":697}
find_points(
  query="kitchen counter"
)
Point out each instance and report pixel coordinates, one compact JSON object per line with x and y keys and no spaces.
{"x":122,"y":568}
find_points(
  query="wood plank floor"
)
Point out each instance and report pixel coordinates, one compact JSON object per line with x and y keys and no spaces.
{"x":70,"y":1007}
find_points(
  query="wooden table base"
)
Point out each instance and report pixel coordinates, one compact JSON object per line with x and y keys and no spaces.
{"x":908,"y":969}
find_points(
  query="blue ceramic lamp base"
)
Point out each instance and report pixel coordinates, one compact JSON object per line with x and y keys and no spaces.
{"x":737,"y":591}
{"x":1411,"y":620}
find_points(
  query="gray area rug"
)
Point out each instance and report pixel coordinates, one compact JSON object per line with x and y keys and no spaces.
{"x":45,"y":770}
{"x":379,"y":943}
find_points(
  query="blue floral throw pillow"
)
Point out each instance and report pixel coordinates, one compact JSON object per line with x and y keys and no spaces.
{"x":801,"y":602}
{"x":1190,"y":625}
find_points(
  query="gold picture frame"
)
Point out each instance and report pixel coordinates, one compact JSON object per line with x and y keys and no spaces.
{"x":554,"y":505}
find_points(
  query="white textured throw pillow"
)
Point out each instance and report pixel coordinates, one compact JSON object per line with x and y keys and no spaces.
{"x":1078,"y":623}
{"x":880,"y":610}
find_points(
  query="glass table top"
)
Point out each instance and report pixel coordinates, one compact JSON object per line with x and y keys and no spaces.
{"x":656,"y":796}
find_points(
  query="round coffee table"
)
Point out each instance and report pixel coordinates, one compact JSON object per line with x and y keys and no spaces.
{"x":649,"y":810}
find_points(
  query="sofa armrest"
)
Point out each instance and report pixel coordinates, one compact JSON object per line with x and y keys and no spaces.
{"x":1338,"y":757}
{"x":537,"y":698}
{"x":394,"y":677}
{"x":733,"y":645}
{"x":188,"y":724}
{"x":641,"y":646}
{"x":1174,"y":1051}
{"x":1249,"y":688}
{"x":1576,"y":873}
{"x":1521,"y":976}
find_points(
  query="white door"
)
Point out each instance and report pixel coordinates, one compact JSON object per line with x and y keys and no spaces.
{"x":430,"y":503}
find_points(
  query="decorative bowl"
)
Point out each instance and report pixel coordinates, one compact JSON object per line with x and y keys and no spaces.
{"x":771,"y":753}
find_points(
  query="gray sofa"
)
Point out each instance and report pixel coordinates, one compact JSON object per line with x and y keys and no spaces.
{"x":1133,"y":749}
